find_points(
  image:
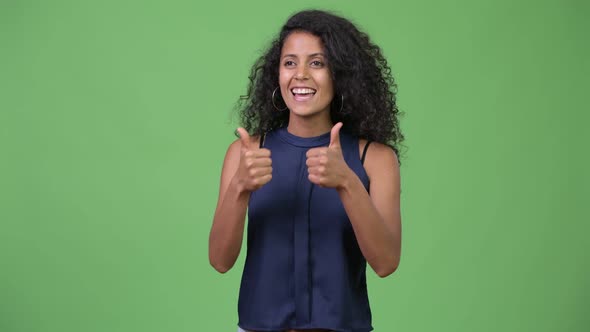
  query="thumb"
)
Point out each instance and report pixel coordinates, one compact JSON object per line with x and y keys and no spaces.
{"x":335,"y":135}
{"x":244,"y":137}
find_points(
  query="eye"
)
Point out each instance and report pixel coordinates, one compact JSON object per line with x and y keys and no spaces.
{"x":317,"y":63}
{"x":289,"y":63}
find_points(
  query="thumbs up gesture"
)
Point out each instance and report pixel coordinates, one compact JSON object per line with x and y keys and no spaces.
{"x":326,"y":165}
{"x":255,"y":168}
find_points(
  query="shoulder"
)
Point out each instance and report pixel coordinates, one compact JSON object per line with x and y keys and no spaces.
{"x":378,"y":157}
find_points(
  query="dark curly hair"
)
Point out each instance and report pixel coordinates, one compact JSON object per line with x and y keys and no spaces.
{"x":361,"y":76}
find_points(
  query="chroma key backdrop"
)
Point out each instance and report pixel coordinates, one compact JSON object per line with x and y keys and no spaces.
{"x":115,"y":117}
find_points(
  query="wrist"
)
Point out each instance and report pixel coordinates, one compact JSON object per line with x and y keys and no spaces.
{"x":347,"y":182}
{"x":239,"y":186}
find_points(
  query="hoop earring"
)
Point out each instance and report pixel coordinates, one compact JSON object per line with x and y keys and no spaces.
{"x":341,"y":103}
{"x":273,"y":101}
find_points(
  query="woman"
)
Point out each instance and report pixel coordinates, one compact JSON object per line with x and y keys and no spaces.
{"x":319,"y":178}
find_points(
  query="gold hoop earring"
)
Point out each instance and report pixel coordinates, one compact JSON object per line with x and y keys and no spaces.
{"x":272,"y":99}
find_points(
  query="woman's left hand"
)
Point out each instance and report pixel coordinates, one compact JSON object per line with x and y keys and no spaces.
{"x":326,"y":165}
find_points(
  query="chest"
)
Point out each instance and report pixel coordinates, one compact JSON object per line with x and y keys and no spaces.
{"x":290,"y":198}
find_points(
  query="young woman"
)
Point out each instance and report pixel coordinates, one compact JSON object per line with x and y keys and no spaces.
{"x":315,"y":167}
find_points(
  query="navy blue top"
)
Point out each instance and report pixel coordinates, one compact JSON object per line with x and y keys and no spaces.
{"x":303,"y":268}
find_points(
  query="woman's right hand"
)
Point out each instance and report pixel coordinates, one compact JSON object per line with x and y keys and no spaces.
{"x":255,"y":169}
{"x":246,"y":168}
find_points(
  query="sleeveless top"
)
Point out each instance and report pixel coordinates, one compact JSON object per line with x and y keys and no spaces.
{"x":304,"y":268}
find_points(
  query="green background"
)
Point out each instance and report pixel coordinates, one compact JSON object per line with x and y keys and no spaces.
{"x":115,"y":117}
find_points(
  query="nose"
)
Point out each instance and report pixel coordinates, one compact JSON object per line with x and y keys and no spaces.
{"x":301,"y":73}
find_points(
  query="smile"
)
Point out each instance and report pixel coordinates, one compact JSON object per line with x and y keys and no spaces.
{"x":303,"y":91}
{"x":303,"y":94}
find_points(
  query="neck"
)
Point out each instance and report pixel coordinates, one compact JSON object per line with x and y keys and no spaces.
{"x":310,"y":126}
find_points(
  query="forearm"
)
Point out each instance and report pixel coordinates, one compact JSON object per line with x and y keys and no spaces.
{"x":379,"y":244}
{"x":225,"y":239}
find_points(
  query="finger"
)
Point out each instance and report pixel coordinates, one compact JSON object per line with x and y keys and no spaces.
{"x":316,"y":152}
{"x":260,"y":172}
{"x":335,"y":135}
{"x":313,"y":161}
{"x":261,"y":153}
{"x":252,"y":163}
{"x":256,"y":154}
{"x":264,"y":180}
{"x":261,"y":162}
{"x":244,"y":137}
{"x":317,"y":170}
{"x":313,"y":179}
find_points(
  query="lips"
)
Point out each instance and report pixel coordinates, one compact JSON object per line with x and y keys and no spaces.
{"x":303,"y":93}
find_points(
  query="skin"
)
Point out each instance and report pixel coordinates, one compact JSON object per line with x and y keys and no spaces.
{"x":303,"y":64}
{"x":375,"y":218}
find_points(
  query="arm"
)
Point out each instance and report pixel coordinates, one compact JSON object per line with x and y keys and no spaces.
{"x":376,"y":219}
{"x":245,"y":169}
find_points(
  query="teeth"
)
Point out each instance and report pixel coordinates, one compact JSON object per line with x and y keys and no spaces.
{"x":302,"y":90}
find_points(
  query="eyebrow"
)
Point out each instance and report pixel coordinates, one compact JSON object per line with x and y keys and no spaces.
{"x":310,"y":56}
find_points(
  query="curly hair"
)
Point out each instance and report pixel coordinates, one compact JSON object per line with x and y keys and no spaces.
{"x":364,"y":89}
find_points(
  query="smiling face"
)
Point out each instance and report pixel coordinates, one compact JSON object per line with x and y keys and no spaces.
{"x":304,"y":77}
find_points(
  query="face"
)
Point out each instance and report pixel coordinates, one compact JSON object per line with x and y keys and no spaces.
{"x":304,"y":77}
